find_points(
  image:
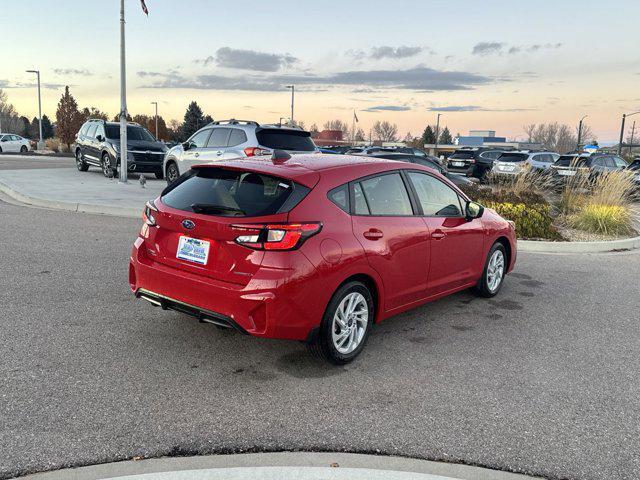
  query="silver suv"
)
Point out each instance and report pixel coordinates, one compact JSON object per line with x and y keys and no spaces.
{"x":226,"y":139}
{"x":513,"y":163}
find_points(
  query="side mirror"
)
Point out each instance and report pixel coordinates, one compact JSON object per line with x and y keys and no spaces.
{"x":186,"y":146}
{"x":100,"y":138}
{"x":473,"y":210}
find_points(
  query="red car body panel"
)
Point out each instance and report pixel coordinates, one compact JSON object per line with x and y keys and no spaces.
{"x":283,"y":294}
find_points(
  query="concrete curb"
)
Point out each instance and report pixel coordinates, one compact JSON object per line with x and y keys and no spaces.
{"x":280,"y":466}
{"x":535,"y":246}
{"x":69,"y":206}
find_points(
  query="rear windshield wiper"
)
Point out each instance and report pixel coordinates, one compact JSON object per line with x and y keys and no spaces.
{"x":210,"y":208}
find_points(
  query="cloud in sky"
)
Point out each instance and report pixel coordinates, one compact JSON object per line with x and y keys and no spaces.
{"x":72,"y":71}
{"x":475,"y":108}
{"x":249,"y":60}
{"x":387,"y":108}
{"x":45,"y":85}
{"x":493,"y":48}
{"x":416,"y":78}
{"x":403,"y":51}
{"x":487,"y":48}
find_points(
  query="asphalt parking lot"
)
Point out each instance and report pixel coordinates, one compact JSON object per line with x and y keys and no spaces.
{"x":540,"y":380}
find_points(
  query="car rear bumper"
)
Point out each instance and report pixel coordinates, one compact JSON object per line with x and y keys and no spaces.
{"x":275,"y":303}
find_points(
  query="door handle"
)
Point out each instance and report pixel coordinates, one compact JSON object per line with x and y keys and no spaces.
{"x":373,"y":234}
{"x":438,"y":235}
{"x":219,"y":152}
{"x":196,"y":154}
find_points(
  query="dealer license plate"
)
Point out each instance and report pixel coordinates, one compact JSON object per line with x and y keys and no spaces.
{"x":193,"y":250}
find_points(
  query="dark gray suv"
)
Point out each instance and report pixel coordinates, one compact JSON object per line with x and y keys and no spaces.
{"x":98,"y":144}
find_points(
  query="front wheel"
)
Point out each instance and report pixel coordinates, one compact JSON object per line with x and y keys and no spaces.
{"x":172,"y":173}
{"x":494,"y":271}
{"x":106,"y":166}
{"x":346,"y":324}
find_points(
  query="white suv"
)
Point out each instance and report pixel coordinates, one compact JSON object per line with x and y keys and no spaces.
{"x":512,"y":163}
{"x":10,"y":142}
{"x":226,"y":139}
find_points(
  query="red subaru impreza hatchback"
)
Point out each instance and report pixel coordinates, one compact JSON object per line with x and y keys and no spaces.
{"x":315,"y":247}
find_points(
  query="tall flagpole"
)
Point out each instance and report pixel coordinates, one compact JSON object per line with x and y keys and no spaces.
{"x":123,"y":101}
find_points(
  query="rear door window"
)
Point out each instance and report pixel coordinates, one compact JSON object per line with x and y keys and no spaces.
{"x":436,"y":198}
{"x":386,"y":195}
{"x":295,"y":140}
{"x":219,"y":138}
{"x":231,"y":193}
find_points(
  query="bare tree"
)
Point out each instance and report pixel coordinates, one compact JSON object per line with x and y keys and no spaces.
{"x":385,"y":131}
{"x":338,"y":125}
{"x":557,"y":137}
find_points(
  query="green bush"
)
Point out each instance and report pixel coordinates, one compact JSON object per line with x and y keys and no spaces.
{"x":532,"y":221}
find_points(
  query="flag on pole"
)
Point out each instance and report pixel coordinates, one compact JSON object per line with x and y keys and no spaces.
{"x":144,"y":7}
{"x":355,"y":117}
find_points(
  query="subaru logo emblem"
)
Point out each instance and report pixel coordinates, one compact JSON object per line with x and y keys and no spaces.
{"x":188,"y":224}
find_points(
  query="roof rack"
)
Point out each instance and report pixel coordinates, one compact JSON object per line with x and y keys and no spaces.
{"x":233,"y":121}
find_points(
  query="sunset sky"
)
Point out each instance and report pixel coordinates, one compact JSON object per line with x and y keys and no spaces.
{"x":495,"y":64}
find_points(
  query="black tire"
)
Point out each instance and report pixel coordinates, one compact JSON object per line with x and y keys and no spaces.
{"x":0,"y":149}
{"x":24,"y":149}
{"x":323,"y":346}
{"x":172,"y":172}
{"x":107,"y":170}
{"x":159,"y":175}
{"x":80,"y":163}
{"x":485,"y":287}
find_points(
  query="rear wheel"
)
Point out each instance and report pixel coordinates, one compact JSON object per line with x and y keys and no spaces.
{"x":80,"y":163}
{"x":494,"y":271}
{"x":346,"y":324}
{"x":172,"y":172}
{"x":23,"y":149}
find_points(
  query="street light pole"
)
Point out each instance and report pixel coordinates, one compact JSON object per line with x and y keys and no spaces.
{"x":41,"y":142}
{"x":435,"y":150}
{"x":156,"y":104}
{"x":293,"y":90}
{"x":123,"y":101}
{"x":580,"y":132}
{"x":624,"y":118}
{"x":633,"y":131}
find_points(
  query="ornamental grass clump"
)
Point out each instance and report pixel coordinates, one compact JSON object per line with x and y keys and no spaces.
{"x":613,"y":220}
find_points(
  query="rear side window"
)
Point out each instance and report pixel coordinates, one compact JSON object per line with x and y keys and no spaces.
{"x":386,"y":195}
{"x":237,"y":137}
{"x":232,"y":193}
{"x":340,"y":196}
{"x":276,"y":138}
{"x":218,"y":138}
{"x":436,"y":198}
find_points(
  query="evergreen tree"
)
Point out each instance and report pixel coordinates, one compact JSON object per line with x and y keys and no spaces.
{"x":428,"y":136}
{"x":445,"y":137}
{"x":47,"y":127}
{"x":68,"y":118}
{"x":193,"y":120}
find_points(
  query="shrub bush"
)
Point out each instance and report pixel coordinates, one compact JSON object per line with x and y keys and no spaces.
{"x":52,"y":144}
{"x":603,"y":219}
{"x":532,"y":220}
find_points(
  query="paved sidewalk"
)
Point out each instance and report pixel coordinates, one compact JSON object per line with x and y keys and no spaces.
{"x":69,"y":189}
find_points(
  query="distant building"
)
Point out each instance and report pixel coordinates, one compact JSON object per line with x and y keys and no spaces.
{"x":479,"y":138}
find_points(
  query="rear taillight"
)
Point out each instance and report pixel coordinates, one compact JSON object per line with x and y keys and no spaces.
{"x":255,"y":151}
{"x":288,"y":236}
{"x":148,"y":214}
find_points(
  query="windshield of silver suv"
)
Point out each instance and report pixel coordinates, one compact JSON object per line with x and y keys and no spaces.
{"x":133,"y":133}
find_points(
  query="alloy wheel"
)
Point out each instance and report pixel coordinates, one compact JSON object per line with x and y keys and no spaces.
{"x":495,"y":270}
{"x":172,"y":173}
{"x":350,"y":323}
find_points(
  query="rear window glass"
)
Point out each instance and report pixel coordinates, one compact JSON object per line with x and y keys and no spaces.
{"x":512,"y":157}
{"x":230,"y":193}
{"x":571,"y":161}
{"x":296,"y":140}
{"x":462,"y":156}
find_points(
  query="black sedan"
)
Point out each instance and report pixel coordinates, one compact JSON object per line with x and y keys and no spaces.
{"x":427,"y":161}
